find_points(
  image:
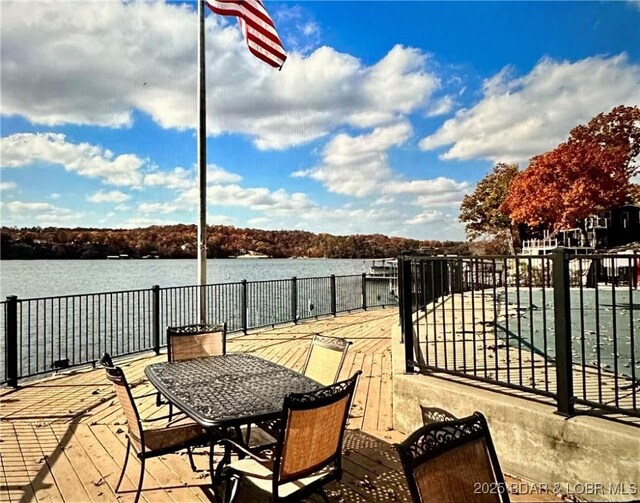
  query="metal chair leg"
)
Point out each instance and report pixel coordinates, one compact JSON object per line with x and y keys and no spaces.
{"x":226,"y":458}
{"x":170,"y":411}
{"x":211,"y":470}
{"x":193,"y":465}
{"x":124,"y":468}
{"x":158,"y":400}
{"x":231,"y":489}
{"x":140,"y":481}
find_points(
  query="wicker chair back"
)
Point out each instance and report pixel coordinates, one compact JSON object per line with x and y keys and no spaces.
{"x":196,"y":341}
{"x":123,"y":392}
{"x":325,"y":358}
{"x":313,"y":430}
{"x":448,"y":461}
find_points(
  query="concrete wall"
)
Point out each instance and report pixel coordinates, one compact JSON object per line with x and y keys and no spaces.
{"x":532,"y":441}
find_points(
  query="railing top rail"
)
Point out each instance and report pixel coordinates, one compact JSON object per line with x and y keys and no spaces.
{"x":182,"y":287}
{"x":618,"y":256}
{"x":263,"y":281}
{"x":76,"y":295}
{"x":470,"y":258}
{"x":167,"y":288}
{"x":586,"y":256}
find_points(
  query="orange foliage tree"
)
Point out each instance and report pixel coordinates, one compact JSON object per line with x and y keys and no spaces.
{"x":590,"y":172}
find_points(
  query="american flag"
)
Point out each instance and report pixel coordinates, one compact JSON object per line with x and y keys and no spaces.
{"x":257,"y":27}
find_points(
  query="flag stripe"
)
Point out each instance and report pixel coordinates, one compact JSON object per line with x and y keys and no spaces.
{"x":265,"y":41}
{"x":257,"y":27}
{"x":242,"y":9}
{"x":256,"y":40}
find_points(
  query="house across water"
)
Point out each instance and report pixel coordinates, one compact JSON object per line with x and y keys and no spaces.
{"x":604,"y":230}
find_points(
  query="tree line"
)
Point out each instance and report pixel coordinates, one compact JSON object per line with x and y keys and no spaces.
{"x":592,"y":171}
{"x":179,"y":241}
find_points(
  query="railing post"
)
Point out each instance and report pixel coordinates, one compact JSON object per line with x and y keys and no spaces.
{"x":243,"y":306}
{"x":155,"y":317}
{"x":294,"y":299}
{"x":11,"y":341}
{"x":364,"y":291}
{"x":562,"y":320}
{"x":333,"y":294}
{"x":407,"y":312}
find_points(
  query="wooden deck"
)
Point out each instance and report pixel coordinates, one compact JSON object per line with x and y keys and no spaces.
{"x":63,"y":438}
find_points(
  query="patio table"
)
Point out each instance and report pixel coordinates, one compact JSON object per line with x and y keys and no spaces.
{"x":229,"y":390}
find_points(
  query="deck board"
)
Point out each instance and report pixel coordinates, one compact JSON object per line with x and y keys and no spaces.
{"x":63,"y":438}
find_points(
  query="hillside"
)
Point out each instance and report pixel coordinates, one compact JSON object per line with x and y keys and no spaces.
{"x":179,"y":241}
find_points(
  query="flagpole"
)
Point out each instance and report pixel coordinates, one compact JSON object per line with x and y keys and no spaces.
{"x":202,"y":166}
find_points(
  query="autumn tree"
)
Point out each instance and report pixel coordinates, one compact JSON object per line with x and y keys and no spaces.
{"x":481,"y":210}
{"x":588,"y":173}
{"x":634,"y":194}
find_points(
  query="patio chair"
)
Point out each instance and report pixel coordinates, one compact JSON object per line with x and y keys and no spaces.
{"x":152,"y":442}
{"x":453,"y":462}
{"x":323,"y":364}
{"x":308,"y":454}
{"x":194,"y":341}
{"x":432,"y":415}
{"x":325,"y":358}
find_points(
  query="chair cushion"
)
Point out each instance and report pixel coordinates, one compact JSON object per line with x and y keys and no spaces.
{"x":176,"y":433}
{"x":260,"y":475}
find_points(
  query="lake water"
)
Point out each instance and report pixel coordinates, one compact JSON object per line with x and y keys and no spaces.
{"x":44,"y":278}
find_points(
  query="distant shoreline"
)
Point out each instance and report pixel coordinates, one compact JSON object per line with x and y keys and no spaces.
{"x":179,"y":241}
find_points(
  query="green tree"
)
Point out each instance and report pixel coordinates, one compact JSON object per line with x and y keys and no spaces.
{"x":481,"y":210}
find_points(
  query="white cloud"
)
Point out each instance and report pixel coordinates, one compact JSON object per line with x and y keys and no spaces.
{"x":113,"y":196}
{"x":356,"y":165}
{"x":261,"y":221}
{"x":55,"y":195}
{"x":426,"y":217}
{"x":45,"y":214}
{"x":521,"y":117}
{"x":216,"y":174}
{"x":56,"y":65}
{"x":439,"y":191}
{"x":24,"y":149}
{"x":441,"y":107}
{"x":260,"y":199}
{"x":220,"y":220}
{"x":384,"y":200}
{"x":6,"y":186}
{"x":179,"y":178}
{"x":157,"y":208}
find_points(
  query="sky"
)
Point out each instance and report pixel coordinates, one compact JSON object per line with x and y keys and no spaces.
{"x":383,"y":117}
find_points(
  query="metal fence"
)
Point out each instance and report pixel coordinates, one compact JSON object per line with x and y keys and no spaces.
{"x":559,"y":325}
{"x":50,"y":333}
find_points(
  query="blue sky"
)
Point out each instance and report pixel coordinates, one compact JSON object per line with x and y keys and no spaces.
{"x":385,"y":115}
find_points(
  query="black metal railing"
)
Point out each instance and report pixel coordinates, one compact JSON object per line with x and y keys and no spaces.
{"x":558,"y":325}
{"x":50,"y":333}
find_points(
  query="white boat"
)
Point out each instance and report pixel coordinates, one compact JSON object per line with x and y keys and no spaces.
{"x":386,"y":268}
